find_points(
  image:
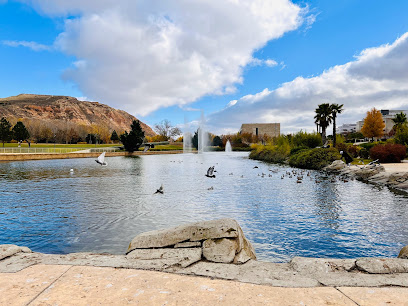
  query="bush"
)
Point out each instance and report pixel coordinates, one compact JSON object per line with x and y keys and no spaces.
{"x":303,"y":139}
{"x":315,"y":158}
{"x":298,"y":149}
{"x":388,"y":153}
{"x":354,"y":150}
{"x":364,"y":153}
{"x":270,"y":153}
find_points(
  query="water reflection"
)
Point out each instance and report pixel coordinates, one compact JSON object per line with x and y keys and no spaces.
{"x":45,"y":207}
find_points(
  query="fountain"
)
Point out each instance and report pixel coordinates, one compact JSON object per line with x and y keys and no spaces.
{"x":202,"y":135}
{"x":228,"y":147}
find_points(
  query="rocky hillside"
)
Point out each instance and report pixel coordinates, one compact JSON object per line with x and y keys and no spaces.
{"x":67,"y":109}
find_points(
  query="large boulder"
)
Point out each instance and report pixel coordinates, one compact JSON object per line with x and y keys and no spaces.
{"x":335,"y":166}
{"x":223,"y":228}
{"x":220,"y":250}
{"x":8,"y":250}
{"x":403,"y":253}
{"x":369,"y":171}
{"x":219,"y":240}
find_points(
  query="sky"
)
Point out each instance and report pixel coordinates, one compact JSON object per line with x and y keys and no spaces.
{"x":236,"y":61}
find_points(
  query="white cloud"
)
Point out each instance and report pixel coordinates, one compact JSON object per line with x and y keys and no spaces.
{"x":147,"y":54}
{"x":260,"y":62}
{"x":28,"y":44}
{"x":377,"y":78}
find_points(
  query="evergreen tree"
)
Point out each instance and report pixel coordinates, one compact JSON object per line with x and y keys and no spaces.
{"x":5,"y":131}
{"x":217,"y":141}
{"x":134,"y":139}
{"x":20,"y":132}
{"x":114,"y":137}
{"x":194,"y":140}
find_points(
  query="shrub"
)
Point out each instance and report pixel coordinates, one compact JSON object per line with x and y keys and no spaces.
{"x":364,"y":153}
{"x":314,"y":158}
{"x":354,"y":150}
{"x":298,"y":149}
{"x":369,"y":145}
{"x":303,"y":139}
{"x":388,"y":153}
{"x":270,"y":153}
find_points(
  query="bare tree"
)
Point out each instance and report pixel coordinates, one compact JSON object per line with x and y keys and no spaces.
{"x":164,"y":128}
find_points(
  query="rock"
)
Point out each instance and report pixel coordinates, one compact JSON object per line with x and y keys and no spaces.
{"x":368,"y":171}
{"x":220,"y":250}
{"x":221,"y":240}
{"x":223,"y":228}
{"x":165,"y":258}
{"x":337,"y":165}
{"x":192,"y":244}
{"x":382,"y":265}
{"x":403,"y":253}
{"x":7,"y":250}
{"x":397,"y":178}
{"x":312,"y":266}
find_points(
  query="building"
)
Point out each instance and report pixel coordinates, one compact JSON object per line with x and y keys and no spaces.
{"x":346,"y":128}
{"x":261,"y":129}
{"x":387,"y":115}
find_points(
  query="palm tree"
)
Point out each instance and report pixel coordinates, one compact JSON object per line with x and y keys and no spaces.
{"x":400,"y":120}
{"x":323,"y":118}
{"x":335,"y":109}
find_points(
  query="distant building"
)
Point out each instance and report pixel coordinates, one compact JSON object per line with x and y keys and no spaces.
{"x":387,"y":115}
{"x":346,"y":128}
{"x":261,"y":129}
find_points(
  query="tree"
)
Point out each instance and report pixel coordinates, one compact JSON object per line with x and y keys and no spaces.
{"x":323,"y":118}
{"x":134,"y":139}
{"x":194,"y":140}
{"x":164,"y":128}
{"x":217,"y":141}
{"x":335,"y":109}
{"x":20,"y":132}
{"x":5,"y":131}
{"x":114,"y":137}
{"x":399,"y":120}
{"x":373,"y":124}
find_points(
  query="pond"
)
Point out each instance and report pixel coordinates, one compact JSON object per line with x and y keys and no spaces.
{"x":94,"y":208}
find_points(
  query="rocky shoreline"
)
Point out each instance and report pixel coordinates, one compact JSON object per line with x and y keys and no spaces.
{"x":375,"y":174}
{"x":219,"y":249}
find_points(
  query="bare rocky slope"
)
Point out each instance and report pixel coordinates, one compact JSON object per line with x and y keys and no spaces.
{"x":64,"y":108}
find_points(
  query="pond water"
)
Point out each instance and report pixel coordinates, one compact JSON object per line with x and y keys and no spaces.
{"x":49,"y":209}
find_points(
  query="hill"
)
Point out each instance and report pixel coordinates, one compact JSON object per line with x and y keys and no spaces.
{"x":58,"y":111}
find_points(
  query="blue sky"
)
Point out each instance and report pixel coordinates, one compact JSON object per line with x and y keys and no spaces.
{"x":157,"y":62}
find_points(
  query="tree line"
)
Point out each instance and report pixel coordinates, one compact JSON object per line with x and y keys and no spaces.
{"x":52,"y":131}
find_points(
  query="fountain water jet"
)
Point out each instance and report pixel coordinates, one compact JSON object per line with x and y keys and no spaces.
{"x":228,"y":147}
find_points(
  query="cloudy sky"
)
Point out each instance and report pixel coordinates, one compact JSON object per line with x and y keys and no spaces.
{"x":240,"y":61}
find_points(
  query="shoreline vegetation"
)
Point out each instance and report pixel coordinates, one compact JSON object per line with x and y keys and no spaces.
{"x":305,"y":150}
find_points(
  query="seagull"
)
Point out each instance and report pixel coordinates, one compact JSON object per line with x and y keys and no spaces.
{"x":210,"y":172}
{"x":160,"y":190}
{"x":211,"y":188}
{"x":101,"y":160}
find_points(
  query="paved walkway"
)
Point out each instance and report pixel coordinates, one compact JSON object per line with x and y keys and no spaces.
{"x":80,"y":285}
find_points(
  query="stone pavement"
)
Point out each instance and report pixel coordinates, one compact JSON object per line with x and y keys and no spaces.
{"x":82,"y":285}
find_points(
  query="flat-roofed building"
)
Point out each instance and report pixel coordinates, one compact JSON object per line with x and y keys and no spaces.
{"x":346,"y":128}
{"x":261,"y":129}
{"x":388,"y":115}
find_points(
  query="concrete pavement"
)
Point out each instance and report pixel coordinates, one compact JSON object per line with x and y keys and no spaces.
{"x":81,"y":285}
